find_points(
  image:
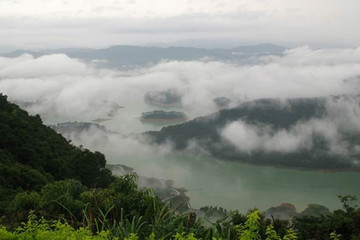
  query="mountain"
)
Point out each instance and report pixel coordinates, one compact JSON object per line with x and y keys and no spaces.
{"x":122,"y":55}
{"x":259,"y":49}
{"x":42,"y":174}
{"x":291,"y":133}
{"x":33,"y":155}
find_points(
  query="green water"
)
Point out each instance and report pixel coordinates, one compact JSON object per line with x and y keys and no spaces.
{"x":241,"y":186}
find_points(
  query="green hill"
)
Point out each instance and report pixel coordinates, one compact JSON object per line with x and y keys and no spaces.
{"x":32,"y":155}
{"x":264,"y":114}
{"x":79,"y":199}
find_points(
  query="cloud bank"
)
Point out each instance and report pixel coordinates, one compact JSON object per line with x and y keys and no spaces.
{"x":335,"y":129}
{"x":63,"y":89}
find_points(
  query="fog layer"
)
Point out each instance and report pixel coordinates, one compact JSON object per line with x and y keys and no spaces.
{"x":65,"y":89}
{"x":341,"y":120}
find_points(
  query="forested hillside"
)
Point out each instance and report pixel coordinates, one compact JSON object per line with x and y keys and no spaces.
{"x":32,"y":155}
{"x":268,"y":126}
{"x":51,"y":189}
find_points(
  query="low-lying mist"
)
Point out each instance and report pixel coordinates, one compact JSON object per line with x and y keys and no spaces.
{"x":217,"y":182}
{"x":337,"y":123}
{"x":63,"y":89}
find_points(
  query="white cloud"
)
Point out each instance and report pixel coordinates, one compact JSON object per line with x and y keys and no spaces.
{"x":65,"y":89}
{"x":341,"y":118}
{"x":26,"y":66}
{"x":249,"y":138}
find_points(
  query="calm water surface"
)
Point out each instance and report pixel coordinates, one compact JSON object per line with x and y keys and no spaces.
{"x":240,"y":186}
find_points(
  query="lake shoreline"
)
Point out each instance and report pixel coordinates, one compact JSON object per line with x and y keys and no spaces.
{"x":281,"y":167}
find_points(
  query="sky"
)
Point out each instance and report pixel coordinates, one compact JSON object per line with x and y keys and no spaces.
{"x":62,"y":89}
{"x":206,"y":23}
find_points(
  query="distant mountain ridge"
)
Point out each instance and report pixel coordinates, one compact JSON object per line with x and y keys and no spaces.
{"x":117,"y":56}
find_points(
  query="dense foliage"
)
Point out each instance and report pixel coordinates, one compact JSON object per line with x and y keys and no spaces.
{"x":43,"y":174}
{"x":32,"y":155}
{"x":250,"y":229}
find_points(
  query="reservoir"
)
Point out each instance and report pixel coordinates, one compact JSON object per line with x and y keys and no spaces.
{"x":241,"y":186}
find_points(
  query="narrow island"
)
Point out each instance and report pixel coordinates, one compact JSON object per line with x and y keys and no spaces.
{"x":160,"y":116}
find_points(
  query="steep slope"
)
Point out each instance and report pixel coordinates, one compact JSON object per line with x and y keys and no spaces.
{"x":32,"y":155}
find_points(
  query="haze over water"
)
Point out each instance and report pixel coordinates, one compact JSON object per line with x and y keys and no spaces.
{"x":71,"y":89}
{"x":240,"y":186}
